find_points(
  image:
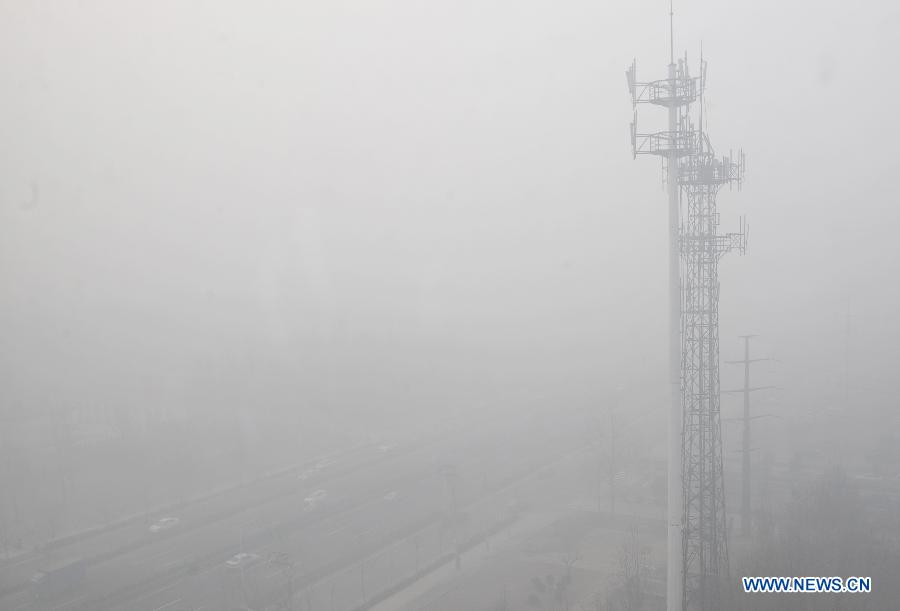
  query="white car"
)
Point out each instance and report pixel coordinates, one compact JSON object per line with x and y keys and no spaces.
{"x":242,"y":560}
{"x":390,"y":496}
{"x":164,"y":524}
{"x":313,"y":499}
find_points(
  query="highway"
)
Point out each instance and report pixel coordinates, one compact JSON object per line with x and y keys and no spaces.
{"x":129,"y":554}
{"x":375,"y":497}
{"x":349,"y":554}
{"x":135,"y":533}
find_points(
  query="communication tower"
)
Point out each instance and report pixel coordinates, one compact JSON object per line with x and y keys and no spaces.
{"x":697,"y":545}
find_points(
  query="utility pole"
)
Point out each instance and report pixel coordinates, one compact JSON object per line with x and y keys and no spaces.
{"x":362,"y":579}
{"x":362,"y":567}
{"x":13,"y":532}
{"x":284,"y":561}
{"x":847,"y":357}
{"x":745,"y":441}
{"x":61,"y":427}
{"x":612,"y":462}
{"x":451,"y":478}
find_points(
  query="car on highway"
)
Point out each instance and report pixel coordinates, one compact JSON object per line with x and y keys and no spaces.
{"x":242,"y":560}
{"x":313,"y":499}
{"x":390,"y":496}
{"x":314,"y":469}
{"x":164,"y":524}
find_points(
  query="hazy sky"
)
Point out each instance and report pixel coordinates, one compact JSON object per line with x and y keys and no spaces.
{"x":389,"y":202}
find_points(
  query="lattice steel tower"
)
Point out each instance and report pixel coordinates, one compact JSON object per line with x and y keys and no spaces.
{"x":697,"y":546}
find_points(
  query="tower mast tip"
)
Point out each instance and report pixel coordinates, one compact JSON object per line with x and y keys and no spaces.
{"x":671,"y":33}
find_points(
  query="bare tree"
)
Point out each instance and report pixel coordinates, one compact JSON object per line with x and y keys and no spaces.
{"x":632,"y":560}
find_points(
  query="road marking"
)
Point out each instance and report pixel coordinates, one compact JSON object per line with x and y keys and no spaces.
{"x":168,"y":604}
{"x":156,"y":591}
{"x":25,"y":560}
{"x":154,"y":557}
{"x":69,"y":602}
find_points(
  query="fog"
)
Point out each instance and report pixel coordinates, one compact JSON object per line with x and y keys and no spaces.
{"x":240,"y":239}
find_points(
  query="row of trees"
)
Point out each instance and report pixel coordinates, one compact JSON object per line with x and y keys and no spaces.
{"x":830,"y":527}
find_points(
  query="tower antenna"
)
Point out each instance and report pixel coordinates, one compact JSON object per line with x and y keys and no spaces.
{"x":671,"y":33}
{"x":702,"y":84}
